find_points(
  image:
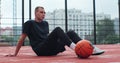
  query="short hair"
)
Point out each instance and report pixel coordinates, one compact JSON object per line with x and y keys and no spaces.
{"x":36,"y":9}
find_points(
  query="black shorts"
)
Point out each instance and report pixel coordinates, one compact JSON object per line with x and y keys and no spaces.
{"x":45,"y":49}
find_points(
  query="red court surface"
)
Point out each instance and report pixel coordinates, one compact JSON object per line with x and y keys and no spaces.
{"x":26,"y":55}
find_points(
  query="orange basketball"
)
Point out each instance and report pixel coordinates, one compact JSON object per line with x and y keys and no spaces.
{"x":83,"y":49}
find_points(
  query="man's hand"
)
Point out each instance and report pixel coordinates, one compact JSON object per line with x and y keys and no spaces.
{"x":10,"y":55}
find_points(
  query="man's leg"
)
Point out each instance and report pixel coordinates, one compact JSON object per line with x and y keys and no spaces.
{"x":75,"y":38}
{"x":63,"y":39}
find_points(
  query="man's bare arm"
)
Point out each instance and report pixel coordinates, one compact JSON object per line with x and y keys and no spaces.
{"x":20,"y":43}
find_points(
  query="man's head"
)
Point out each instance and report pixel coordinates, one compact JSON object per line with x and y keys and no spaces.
{"x":39,"y":13}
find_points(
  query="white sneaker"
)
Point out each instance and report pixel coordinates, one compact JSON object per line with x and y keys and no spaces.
{"x":97,"y":51}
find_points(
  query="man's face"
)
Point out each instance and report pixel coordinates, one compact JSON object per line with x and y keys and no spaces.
{"x":40,"y":14}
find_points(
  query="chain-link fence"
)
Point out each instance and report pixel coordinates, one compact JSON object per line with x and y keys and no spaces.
{"x":79,"y":18}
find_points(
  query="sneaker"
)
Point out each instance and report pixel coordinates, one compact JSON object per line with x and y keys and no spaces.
{"x":97,"y":51}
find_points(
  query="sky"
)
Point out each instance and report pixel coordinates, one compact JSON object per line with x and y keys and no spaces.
{"x":105,"y":6}
{"x":102,"y":6}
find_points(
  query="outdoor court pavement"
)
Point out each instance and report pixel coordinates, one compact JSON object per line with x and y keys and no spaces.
{"x":26,"y":55}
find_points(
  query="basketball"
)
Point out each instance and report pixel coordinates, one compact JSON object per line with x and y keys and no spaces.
{"x":83,"y":49}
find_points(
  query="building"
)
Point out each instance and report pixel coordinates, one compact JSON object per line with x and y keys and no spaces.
{"x":0,"y":17}
{"x":116,"y":26}
{"x":80,"y":22}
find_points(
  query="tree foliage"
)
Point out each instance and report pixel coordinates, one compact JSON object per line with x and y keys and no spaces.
{"x":105,"y":31}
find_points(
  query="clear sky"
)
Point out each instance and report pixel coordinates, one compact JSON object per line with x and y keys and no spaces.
{"x":105,"y":6}
{"x":102,"y":6}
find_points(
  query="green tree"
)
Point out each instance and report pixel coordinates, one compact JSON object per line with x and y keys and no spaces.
{"x":104,"y":29}
{"x":111,"y":39}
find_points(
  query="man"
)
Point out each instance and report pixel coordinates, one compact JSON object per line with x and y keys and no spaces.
{"x":44,"y":43}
